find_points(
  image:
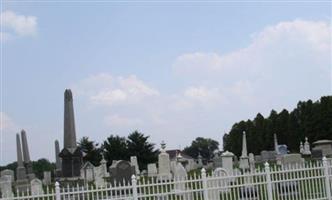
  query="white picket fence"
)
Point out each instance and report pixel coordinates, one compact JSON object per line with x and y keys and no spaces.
{"x":297,"y":182}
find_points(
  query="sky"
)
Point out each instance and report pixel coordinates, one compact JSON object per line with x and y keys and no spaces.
{"x":171,"y":70}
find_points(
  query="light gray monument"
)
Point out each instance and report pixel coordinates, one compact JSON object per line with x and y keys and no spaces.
{"x":6,"y":186}
{"x":47,"y":178}
{"x":152,"y":170}
{"x":252,"y":162}
{"x":36,"y":187}
{"x":133,"y":162}
{"x":71,"y":155}
{"x":180,"y":173}
{"x":244,"y":160}
{"x":121,"y":170}
{"x":306,"y":151}
{"x":57,"y":159}
{"x":227,"y":162}
{"x":21,"y":178}
{"x":26,"y":155}
{"x":290,"y":160}
{"x":87,"y":172}
{"x":199,"y":161}
{"x":164,"y":164}
{"x":301,"y":147}
{"x":8,"y":172}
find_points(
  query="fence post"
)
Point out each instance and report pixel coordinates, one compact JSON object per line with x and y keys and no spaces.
{"x":57,"y":191}
{"x":134,"y":185}
{"x":205,"y":190}
{"x":268,"y":181}
{"x":327,"y":178}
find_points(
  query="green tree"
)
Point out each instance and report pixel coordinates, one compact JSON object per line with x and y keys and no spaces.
{"x":138,"y":145}
{"x":42,"y":165}
{"x":91,"y":149}
{"x":115,"y":148}
{"x":203,"y":146}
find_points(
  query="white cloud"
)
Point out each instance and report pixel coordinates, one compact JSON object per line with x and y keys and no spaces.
{"x":289,"y":41}
{"x":104,"y":89}
{"x":14,"y":24}
{"x":122,"y":121}
{"x":6,"y":123}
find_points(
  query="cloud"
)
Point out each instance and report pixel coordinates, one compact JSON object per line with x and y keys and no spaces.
{"x":6,"y":123}
{"x":290,"y":41}
{"x":122,"y":121}
{"x":104,"y":89}
{"x":14,"y":24}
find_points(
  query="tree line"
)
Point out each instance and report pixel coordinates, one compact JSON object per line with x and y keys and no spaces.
{"x":309,"y":119}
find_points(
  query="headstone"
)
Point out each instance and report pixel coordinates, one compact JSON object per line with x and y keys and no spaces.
{"x":325,"y":146}
{"x":87,"y":172}
{"x":47,"y":178}
{"x":282,"y":149}
{"x":220,"y":182}
{"x":292,"y":159}
{"x":133,"y":162}
{"x":317,"y":154}
{"x":269,"y":155}
{"x":164,"y":165}
{"x":258,"y":159}
{"x":6,"y":186}
{"x":57,"y":159}
{"x":152,"y":170}
{"x":71,"y":155}
{"x":306,"y":151}
{"x":244,"y":160}
{"x":252,"y":162}
{"x":301,"y":148}
{"x":217,"y":161}
{"x":227,"y":161}
{"x":199,"y":161}
{"x":36,"y":187}
{"x":120,"y":171}
{"x":180,"y":173}
{"x":8,"y":172}
{"x":100,"y":173}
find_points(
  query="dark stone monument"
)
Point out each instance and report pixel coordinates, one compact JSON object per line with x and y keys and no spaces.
{"x":317,"y":154}
{"x":120,"y":171}
{"x":71,"y":155}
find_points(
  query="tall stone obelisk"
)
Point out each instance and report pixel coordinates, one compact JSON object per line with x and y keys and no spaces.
{"x":71,"y":155}
{"x":244,"y":159}
{"x":275,"y":140}
{"x":21,"y":177}
{"x":57,"y":159}
{"x":26,"y":155}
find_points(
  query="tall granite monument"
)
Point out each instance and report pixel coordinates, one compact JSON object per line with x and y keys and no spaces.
{"x":26,"y":155}
{"x":244,"y":159}
{"x":71,"y":155}
{"x":21,"y":177}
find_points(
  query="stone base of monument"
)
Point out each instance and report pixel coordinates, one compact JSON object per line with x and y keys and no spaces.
{"x":22,"y":185}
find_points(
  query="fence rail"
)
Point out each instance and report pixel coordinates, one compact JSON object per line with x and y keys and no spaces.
{"x":310,"y":180}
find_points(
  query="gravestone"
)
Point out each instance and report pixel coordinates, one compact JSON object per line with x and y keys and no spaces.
{"x":100,"y":173}
{"x":22,"y":183}
{"x":317,"y":154}
{"x":227,"y":161}
{"x":219,"y":181}
{"x":133,"y":162}
{"x":258,"y":159}
{"x":306,"y":151}
{"x":6,"y":186}
{"x":152,"y":170}
{"x":8,"y":172}
{"x":164,"y":165}
{"x":47,"y":178}
{"x":252,"y":162}
{"x":87,"y":172}
{"x":269,"y":155}
{"x":292,"y":159}
{"x":180,"y":173}
{"x":282,"y":149}
{"x":199,"y":161}
{"x":301,"y":147}
{"x":120,"y":171}
{"x":36,"y":187}
{"x":217,"y":161}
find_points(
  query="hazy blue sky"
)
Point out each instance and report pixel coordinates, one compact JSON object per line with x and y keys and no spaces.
{"x":174,"y":71}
